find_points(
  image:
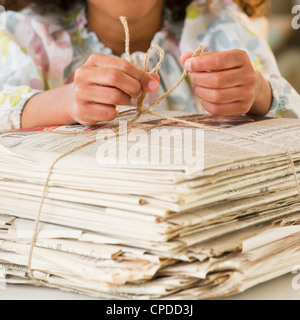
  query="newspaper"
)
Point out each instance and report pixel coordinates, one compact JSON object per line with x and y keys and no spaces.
{"x":152,"y":229}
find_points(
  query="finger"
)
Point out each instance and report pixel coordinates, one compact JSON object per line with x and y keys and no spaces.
{"x":91,"y":113}
{"x":103,"y":95}
{"x":227,"y":109}
{"x":148,"y":82}
{"x":217,"y":61}
{"x":222,"y":79}
{"x":108,"y":77}
{"x":219,"y":96}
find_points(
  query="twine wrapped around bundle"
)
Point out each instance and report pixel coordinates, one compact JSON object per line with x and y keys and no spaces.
{"x":140,"y":111}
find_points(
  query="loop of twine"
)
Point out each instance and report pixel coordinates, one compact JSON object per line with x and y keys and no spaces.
{"x":140,"y":111}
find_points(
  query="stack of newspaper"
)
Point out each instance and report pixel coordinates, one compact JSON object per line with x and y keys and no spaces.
{"x":171,"y":212}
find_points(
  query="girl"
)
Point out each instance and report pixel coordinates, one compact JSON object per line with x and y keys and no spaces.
{"x":62,"y":63}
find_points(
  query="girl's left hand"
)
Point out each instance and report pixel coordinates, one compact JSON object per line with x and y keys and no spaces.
{"x":228,"y":83}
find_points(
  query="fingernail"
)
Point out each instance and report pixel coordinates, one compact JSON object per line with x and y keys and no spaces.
{"x":188,"y":65}
{"x":118,"y":110}
{"x":153,"y":85}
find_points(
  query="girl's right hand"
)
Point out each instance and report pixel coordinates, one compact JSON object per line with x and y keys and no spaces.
{"x":104,"y":82}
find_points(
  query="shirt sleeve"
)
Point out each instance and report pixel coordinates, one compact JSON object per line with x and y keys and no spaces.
{"x":225,"y":27}
{"x":20,"y":75}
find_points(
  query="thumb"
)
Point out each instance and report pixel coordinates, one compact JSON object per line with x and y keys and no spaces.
{"x":185,"y":56}
{"x":150,"y":83}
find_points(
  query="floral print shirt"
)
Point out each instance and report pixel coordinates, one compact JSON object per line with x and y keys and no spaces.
{"x":42,"y":51}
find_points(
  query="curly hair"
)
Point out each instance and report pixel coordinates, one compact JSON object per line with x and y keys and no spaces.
{"x":252,"y":8}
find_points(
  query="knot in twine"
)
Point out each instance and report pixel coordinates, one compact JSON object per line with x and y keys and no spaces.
{"x":140,"y":111}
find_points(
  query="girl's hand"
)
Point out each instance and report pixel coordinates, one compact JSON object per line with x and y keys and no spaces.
{"x":228,"y":83}
{"x":101,"y":84}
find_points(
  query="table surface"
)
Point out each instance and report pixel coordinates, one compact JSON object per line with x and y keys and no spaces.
{"x":277,"y":289}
